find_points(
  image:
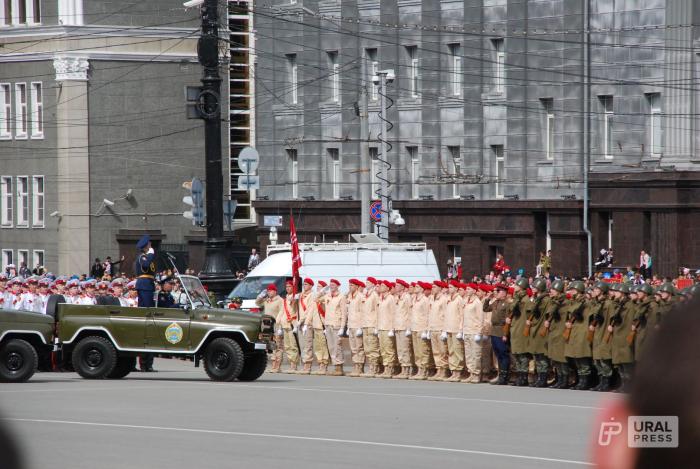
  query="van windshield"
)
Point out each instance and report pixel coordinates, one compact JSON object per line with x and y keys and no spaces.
{"x":250,"y":287}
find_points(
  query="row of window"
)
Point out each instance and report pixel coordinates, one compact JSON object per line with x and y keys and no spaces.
{"x":371,"y":65}
{"x":8,"y":257}
{"x":28,"y":12}
{"x":12,"y":214}
{"x":336,"y":178}
{"x":28,"y":115}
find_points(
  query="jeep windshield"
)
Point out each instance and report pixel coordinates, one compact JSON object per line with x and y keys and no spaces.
{"x":250,"y":287}
{"x":196,"y":291}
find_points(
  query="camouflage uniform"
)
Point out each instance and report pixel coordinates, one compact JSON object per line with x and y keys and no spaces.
{"x":518,"y":342}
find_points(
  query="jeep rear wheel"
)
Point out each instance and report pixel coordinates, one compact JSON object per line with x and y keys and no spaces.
{"x":254,"y":367}
{"x":18,"y":361}
{"x":124,"y":366}
{"x":94,"y":357}
{"x":223,"y":359}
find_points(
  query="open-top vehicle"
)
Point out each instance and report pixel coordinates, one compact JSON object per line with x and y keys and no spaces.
{"x":103,"y":340}
{"x":25,"y":339}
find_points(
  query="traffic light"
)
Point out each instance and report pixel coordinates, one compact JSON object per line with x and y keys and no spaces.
{"x":195,"y":201}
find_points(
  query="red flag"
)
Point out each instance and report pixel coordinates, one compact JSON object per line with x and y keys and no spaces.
{"x":296,"y":256}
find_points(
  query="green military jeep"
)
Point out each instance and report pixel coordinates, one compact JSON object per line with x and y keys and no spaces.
{"x":103,"y":341}
{"x":25,"y":339}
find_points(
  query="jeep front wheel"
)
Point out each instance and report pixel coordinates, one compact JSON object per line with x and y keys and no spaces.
{"x":254,"y":367}
{"x":223,"y":359}
{"x":94,"y":357}
{"x":18,"y":361}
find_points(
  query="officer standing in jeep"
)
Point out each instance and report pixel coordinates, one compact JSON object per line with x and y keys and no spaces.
{"x":145,"y":272}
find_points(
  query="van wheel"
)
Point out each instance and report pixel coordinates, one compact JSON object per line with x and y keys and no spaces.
{"x":254,"y":367}
{"x":94,"y":357}
{"x":18,"y":361}
{"x":223,"y":359}
{"x":124,"y":366}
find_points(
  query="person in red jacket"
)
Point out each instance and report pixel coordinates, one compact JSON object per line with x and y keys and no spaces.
{"x":500,"y":266}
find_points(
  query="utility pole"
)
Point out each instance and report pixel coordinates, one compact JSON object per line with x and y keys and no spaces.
{"x":384,"y":76}
{"x":216,"y":273}
{"x":365,"y":164}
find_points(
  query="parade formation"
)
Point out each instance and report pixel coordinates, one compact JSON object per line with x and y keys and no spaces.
{"x":579,"y":335}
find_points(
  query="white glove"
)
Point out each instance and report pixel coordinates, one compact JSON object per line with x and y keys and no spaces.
{"x":279,"y":333}
{"x":341,"y":331}
{"x":150,"y":251}
{"x":295,"y":329}
{"x":424,"y":335}
{"x":443,"y":336}
{"x":358,"y":332}
{"x":477,"y":338}
{"x":391,"y":333}
{"x":460,"y":336}
{"x":304,"y":329}
{"x":376,"y":332}
{"x":407,"y":333}
{"x":262,"y":294}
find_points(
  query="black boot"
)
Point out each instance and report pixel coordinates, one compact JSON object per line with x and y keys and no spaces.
{"x":541,"y":380}
{"x":604,"y":385}
{"x":583,"y":382}
{"x":522,"y":379}
{"x":502,"y":378}
{"x":557,"y":382}
{"x":564,"y":382}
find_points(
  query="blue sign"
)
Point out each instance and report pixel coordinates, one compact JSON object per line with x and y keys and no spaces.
{"x":375,"y":211}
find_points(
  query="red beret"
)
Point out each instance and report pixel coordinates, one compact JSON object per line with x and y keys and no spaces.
{"x":309,"y":281}
{"x":388,"y":283}
{"x":473,"y":286}
{"x":335,"y":281}
{"x":511,"y":290}
{"x":462,"y":286}
{"x":289,"y":282}
{"x":354,"y":281}
{"x":401,"y":282}
{"x":372,"y":280}
{"x":272,"y":287}
{"x":454,"y":283}
{"x":440,"y":283}
{"x":322,"y":283}
{"x":426,"y":285}
{"x":413,"y":284}
{"x":500,"y":286}
{"x":485,"y":288}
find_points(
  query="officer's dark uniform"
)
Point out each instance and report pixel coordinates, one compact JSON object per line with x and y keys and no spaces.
{"x":165,"y":299}
{"x":145,"y":271}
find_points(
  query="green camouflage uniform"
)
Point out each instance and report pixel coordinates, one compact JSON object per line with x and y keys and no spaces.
{"x":518,"y":342}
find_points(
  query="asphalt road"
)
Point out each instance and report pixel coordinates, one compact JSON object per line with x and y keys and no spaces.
{"x":176,"y":418}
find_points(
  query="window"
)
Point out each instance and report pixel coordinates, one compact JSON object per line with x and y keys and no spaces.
{"x":6,"y":13}
{"x":5,"y":111}
{"x":334,"y":160}
{"x":372,"y":67}
{"x":456,"y":68}
{"x":38,"y":201}
{"x":38,"y":256}
{"x":293,"y":77}
{"x":656,"y":133}
{"x":413,"y":70}
{"x":500,"y":166}
{"x":499,"y":72}
{"x":6,"y":202}
{"x":548,"y":137}
{"x":334,"y":67}
{"x":374,"y":170}
{"x":415,"y":171}
{"x":607,"y":105}
{"x":19,"y":12}
{"x":22,"y":201}
{"x":70,"y":12}
{"x":456,"y":169}
{"x":293,"y":172}
{"x":37,"y":116}
{"x":7,"y":258}
{"x":20,"y":110}
{"x":22,"y":258}
{"x":36,"y":11}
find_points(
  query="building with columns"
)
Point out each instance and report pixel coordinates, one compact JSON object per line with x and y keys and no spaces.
{"x":94,"y":140}
{"x":505,"y":114}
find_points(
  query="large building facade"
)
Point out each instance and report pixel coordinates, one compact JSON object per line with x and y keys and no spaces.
{"x":95,"y":143}
{"x":502,"y":111}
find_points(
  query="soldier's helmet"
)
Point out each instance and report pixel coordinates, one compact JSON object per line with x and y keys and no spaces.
{"x":615,"y":287}
{"x":645,"y":288}
{"x":522,"y":283}
{"x":577,"y":285}
{"x":558,"y":285}
{"x":695,"y":290}
{"x":539,"y":284}
{"x":667,"y":288}
{"x":624,"y":288}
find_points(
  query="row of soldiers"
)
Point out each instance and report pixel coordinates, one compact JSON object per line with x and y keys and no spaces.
{"x":448,"y":331}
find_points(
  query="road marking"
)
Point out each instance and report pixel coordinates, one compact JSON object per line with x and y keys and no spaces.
{"x":304,"y":438}
{"x":81,"y":388}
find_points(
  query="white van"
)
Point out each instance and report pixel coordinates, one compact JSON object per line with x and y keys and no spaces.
{"x":342,"y":261}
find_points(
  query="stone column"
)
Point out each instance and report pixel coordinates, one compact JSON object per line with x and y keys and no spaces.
{"x":73,"y":166}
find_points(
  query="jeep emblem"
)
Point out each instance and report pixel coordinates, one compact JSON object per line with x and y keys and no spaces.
{"x":173,"y":333}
